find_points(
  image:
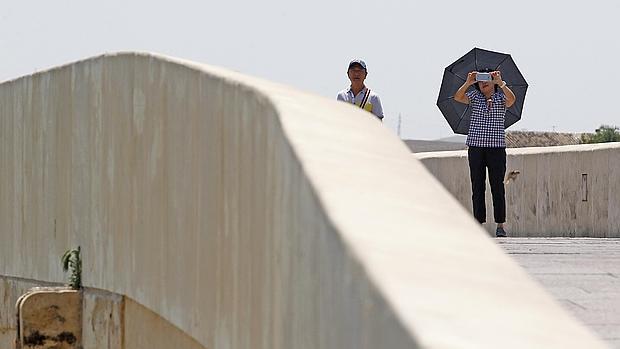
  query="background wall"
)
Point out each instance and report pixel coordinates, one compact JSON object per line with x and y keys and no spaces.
{"x":250,"y":215}
{"x":547,"y":199}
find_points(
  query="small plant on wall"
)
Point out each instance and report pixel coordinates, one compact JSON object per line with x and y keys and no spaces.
{"x":72,"y":261}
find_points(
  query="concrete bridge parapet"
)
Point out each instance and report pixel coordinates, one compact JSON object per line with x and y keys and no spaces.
{"x":247,"y":214}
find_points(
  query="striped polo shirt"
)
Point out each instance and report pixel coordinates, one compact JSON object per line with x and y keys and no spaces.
{"x":373,"y":104}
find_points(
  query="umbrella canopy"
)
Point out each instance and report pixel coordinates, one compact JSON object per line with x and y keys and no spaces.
{"x":458,"y":114}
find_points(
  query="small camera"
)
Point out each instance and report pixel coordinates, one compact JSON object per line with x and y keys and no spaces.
{"x":483,"y":77}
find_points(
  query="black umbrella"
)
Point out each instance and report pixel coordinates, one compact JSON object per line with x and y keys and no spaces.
{"x":458,"y":114}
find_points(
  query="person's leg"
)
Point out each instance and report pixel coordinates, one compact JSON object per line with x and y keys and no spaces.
{"x":497,"y":171}
{"x":478,"y":176}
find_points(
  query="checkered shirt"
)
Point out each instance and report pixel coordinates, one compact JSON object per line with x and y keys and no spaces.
{"x":486,"y":127}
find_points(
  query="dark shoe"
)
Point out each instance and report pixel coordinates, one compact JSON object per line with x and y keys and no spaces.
{"x":500,"y":233}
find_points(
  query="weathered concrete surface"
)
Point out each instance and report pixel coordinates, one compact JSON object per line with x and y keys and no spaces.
{"x":50,"y":318}
{"x":109,"y":321}
{"x":546,"y":200}
{"x":583,"y":274}
{"x":145,"y":329}
{"x":251,"y":215}
{"x":103,"y":324}
{"x":10,"y":291}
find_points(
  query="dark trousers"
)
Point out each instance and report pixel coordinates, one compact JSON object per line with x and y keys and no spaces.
{"x":495,"y":160}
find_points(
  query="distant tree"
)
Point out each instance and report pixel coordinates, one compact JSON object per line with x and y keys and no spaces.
{"x":603,"y":134}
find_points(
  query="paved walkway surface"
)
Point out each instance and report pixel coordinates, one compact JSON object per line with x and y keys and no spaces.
{"x":583,"y":274}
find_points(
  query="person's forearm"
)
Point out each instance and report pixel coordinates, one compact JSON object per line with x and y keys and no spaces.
{"x":460,"y":96}
{"x":510,"y":96}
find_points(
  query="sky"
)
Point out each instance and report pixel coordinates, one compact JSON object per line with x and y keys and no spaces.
{"x":569,"y":52}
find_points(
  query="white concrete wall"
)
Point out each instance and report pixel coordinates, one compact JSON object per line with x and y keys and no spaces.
{"x":251,"y":215}
{"x":109,"y":321}
{"x":10,"y":290}
{"x":546,"y":199}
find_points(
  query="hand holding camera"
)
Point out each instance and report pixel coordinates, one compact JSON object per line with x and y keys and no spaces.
{"x":497,"y":77}
{"x":471,"y":78}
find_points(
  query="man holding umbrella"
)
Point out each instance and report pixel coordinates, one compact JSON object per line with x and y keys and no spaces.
{"x":486,"y":140}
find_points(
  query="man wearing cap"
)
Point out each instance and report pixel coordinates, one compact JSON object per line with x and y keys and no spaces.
{"x":358,"y":93}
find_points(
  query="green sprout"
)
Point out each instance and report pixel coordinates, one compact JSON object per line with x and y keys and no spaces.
{"x":72,"y":260}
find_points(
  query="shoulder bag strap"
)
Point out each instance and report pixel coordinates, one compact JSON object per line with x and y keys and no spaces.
{"x":365,"y":100}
